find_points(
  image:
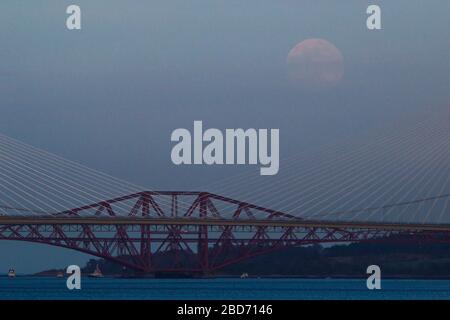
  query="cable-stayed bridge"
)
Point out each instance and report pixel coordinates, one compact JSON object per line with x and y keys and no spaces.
{"x":395,"y":188}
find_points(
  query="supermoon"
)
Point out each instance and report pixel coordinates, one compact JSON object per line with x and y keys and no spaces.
{"x":315,"y":63}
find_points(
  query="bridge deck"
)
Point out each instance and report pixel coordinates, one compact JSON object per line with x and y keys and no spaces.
{"x":8,"y":220}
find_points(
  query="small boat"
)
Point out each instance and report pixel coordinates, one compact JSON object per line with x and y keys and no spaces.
{"x":97,"y":273}
{"x":60,"y":275}
{"x":11,"y":273}
{"x":244,"y":275}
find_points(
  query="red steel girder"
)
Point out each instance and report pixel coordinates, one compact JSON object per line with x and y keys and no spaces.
{"x":188,"y":247}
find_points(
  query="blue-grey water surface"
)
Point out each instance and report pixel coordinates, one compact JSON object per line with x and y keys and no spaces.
{"x":221,"y":288}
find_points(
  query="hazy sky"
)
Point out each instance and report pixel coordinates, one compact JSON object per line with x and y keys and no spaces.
{"x":110,"y":94}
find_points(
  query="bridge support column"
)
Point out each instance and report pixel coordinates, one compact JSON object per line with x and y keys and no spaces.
{"x":146,"y":245}
{"x":146,"y":248}
{"x":203,"y":250}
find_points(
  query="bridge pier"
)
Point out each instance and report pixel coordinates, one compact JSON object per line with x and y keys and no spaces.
{"x":146,"y":249}
{"x":203,"y":244}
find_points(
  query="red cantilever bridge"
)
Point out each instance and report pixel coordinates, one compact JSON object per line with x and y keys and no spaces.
{"x":213,"y":232}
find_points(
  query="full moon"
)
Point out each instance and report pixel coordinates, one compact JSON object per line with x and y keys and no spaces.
{"x":315,"y":63}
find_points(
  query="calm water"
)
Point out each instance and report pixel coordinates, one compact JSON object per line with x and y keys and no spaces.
{"x":110,"y":288}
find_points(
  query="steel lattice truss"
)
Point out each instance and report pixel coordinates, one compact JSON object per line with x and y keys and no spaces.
{"x":211,"y":233}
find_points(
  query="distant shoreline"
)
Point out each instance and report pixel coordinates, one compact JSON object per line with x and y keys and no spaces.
{"x":411,"y":261}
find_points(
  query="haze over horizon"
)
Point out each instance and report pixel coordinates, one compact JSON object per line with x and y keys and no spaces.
{"x":110,"y":95}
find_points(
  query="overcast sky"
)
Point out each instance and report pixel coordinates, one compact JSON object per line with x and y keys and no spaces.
{"x":110,"y":95}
